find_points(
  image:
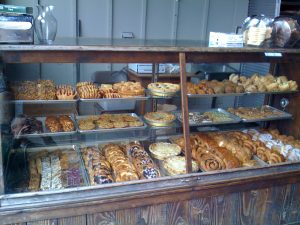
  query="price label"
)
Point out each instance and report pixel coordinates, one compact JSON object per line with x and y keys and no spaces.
{"x":273,"y":54}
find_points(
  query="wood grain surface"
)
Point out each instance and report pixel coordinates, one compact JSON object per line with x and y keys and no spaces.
{"x":268,"y":206}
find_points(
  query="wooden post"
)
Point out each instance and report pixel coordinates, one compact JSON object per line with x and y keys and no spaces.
{"x":185,"y":112}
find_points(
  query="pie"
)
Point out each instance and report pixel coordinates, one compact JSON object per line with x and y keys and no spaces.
{"x":176,"y":165}
{"x":162,"y":150}
{"x":159,"y":118}
{"x":161,"y":88}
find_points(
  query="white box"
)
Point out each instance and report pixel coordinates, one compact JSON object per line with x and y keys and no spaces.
{"x":225,"y":40}
{"x":145,"y":67}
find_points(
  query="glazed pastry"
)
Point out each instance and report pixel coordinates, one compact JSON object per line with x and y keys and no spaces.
{"x":87,"y":90}
{"x":98,"y":168}
{"x":119,"y":161}
{"x":129,"y":89}
{"x":66,"y":123}
{"x":65,"y":92}
{"x":52,"y":123}
{"x":46,"y":90}
{"x":142,"y":162}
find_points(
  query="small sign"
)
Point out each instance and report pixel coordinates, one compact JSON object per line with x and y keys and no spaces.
{"x":273,"y":54}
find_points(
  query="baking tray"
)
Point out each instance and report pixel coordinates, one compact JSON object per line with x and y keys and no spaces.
{"x":111,"y":129}
{"x":23,"y":155}
{"x":73,"y":101}
{"x":283,"y":117}
{"x":235,"y":119}
{"x":271,"y":93}
{"x":47,"y":133}
{"x":138,"y":98}
{"x":215,"y":95}
{"x":157,"y":94}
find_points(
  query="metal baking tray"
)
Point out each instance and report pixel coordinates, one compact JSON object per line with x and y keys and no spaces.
{"x":22,"y":154}
{"x":138,"y":98}
{"x":112,"y":129}
{"x":47,"y":133}
{"x":234,"y":118}
{"x":283,"y":117}
{"x":271,"y":93}
{"x":215,"y":95}
{"x":73,"y":101}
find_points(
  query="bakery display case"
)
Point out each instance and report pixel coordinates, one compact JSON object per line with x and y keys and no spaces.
{"x":66,"y":164}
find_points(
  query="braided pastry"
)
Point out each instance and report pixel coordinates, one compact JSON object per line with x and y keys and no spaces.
{"x":89,"y":91}
{"x":111,"y":95}
{"x":65,"y":92}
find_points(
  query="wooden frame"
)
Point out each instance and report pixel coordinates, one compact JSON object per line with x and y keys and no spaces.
{"x":39,"y":206}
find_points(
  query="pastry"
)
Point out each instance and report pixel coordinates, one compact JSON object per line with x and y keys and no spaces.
{"x":160,"y":118}
{"x":46,"y":90}
{"x":98,"y":168}
{"x":255,"y":113}
{"x":119,"y":161}
{"x":142,"y":162}
{"x":66,"y":123}
{"x":162,"y":150}
{"x":53,"y":125}
{"x":85,"y":124}
{"x":129,"y":89}
{"x":176,"y":165}
{"x":26,"y":125}
{"x":65,"y":92}
{"x":87,"y":90}
{"x":163,"y":88}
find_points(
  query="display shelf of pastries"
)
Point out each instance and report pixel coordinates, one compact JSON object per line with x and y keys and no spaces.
{"x":23,"y":126}
{"x":109,"y":122}
{"x":42,"y":92}
{"x":209,"y":117}
{"x":258,"y":114}
{"x":160,"y":118}
{"x":275,"y":147}
{"x":48,"y":168}
{"x":239,"y":85}
{"x":160,"y":89}
{"x":221,"y":150}
{"x":90,"y":92}
{"x":267,"y":84}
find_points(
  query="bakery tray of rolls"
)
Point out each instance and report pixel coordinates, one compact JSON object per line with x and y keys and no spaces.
{"x":117,"y":162}
{"x":259,"y":114}
{"x":25,"y":126}
{"x":221,"y":150}
{"x":209,"y":117}
{"x":239,"y":85}
{"x":47,"y":168}
{"x":109,"y":122}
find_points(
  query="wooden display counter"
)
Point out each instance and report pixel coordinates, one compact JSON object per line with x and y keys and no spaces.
{"x":258,"y":195}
